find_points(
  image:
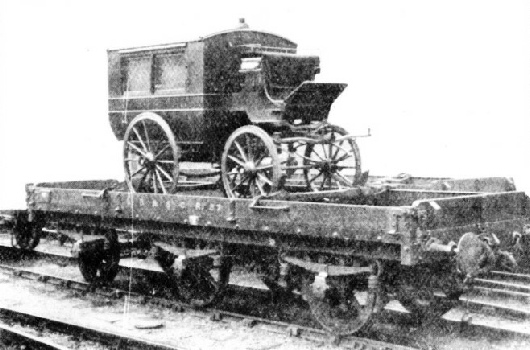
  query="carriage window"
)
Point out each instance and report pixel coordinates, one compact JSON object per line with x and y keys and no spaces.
{"x":138,"y":73}
{"x":170,"y":73}
{"x":250,"y":64}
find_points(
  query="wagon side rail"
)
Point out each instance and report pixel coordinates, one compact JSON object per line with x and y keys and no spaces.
{"x":448,"y":218}
{"x":386,"y":229}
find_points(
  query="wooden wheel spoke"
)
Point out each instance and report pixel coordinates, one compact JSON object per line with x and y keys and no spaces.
{"x":344,"y":157}
{"x":260,"y":187}
{"x":148,"y":143}
{"x":159,"y":153}
{"x":341,"y":179}
{"x":137,"y":149}
{"x":249,"y":147}
{"x":338,"y":149}
{"x":311,"y":160}
{"x":140,"y":139}
{"x":237,"y":161}
{"x":169,"y":177}
{"x":315,"y":177}
{"x":264,"y":167}
{"x":153,"y":182}
{"x":161,"y":182}
{"x":137,"y":171}
{"x":241,"y":151}
{"x":265,"y":179}
{"x":243,"y":179}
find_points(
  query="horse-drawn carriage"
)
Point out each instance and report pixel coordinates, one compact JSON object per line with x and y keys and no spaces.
{"x":243,"y":100}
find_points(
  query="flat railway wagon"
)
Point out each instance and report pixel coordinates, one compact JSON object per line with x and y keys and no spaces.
{"x":347,"y":257}
{"x":284,"y":193}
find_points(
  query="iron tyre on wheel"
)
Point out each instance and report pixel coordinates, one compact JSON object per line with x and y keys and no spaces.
{"x":150,"y":155}
{"x":250,"y":164}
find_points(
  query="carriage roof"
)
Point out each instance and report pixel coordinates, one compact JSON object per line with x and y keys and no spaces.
{"x":234,"y":37}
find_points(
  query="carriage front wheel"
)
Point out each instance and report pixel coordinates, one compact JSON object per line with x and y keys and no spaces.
{"x":250,"y":165}
{"x":150,"y":155}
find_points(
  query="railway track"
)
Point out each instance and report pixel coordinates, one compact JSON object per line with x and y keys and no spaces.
{"x":34,"y":332}
{"x":501,"y":293}
{"x":486,"y":298}
{"x":304,"y":332}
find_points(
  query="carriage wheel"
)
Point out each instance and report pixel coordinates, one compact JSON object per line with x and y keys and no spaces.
{"x":250,"y":165}
{"x":150,"y":155}
{"x":420,"y":288}
{"x":334,"y":164}
{"x":26,"y":235}
{"x":204,"y":284}
{"x":347,"y":306}
{"x":102,"y":267}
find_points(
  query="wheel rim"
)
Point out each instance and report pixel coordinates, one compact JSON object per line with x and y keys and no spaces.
{"x":347,"y":306}
{"x":250,"y":164}
{"x":150,"y":155}
{"x":334,"y":164}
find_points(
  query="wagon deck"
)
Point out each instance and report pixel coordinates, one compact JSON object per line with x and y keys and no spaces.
{"x":389,"y":219}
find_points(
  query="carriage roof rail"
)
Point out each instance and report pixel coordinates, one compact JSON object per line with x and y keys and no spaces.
{"x":151,"y":47}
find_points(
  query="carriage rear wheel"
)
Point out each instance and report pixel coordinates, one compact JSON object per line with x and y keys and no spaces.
{"x":150,"y":155}
{"x":334,"y":164}
{"x":250,"y":164}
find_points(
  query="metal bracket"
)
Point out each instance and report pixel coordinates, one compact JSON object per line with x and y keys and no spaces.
{"x":319,"y":286}
{"x":255,"y":205}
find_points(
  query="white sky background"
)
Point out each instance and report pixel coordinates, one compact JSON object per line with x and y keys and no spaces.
{"x":443,"y":85}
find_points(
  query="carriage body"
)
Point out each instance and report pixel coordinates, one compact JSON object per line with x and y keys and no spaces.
{"x":206,"y":89}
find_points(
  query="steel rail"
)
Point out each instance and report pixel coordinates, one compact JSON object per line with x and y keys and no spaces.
{"x":214,"y":314}
{"x":77,"y":332}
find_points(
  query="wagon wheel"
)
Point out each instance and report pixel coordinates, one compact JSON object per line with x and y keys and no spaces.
{"x":204,"y":284}
{"x":250,"y":164}
{"x":271,"y":277}
{"x":348,"y":305}
{"x":334,"y":164}
{"x":150,"y":155}
{"x":428,"y":293}
{"x":26,"y":235}
{"x":102,"y":267}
